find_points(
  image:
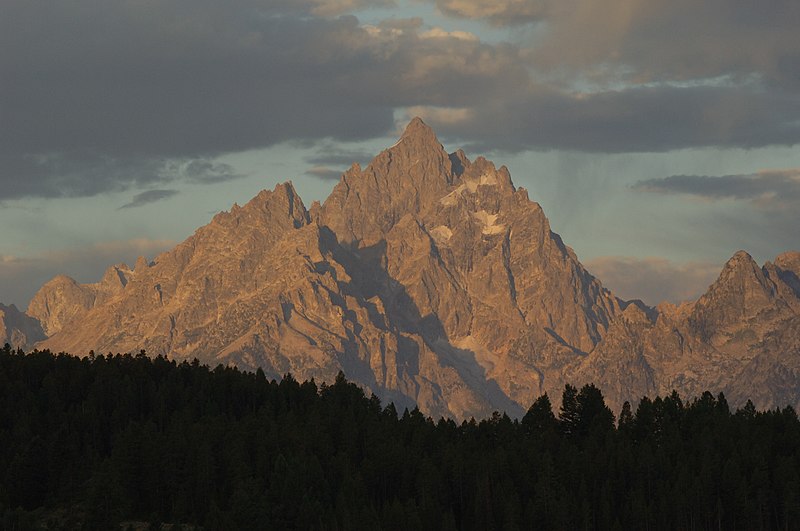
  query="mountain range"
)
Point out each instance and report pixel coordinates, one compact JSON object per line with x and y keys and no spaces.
{"x":430,"y":280}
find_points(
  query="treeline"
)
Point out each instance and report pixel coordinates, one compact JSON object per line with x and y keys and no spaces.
{"x":91,"y":443}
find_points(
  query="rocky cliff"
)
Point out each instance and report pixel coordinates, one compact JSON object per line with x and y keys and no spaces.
{"x":429,"y":279}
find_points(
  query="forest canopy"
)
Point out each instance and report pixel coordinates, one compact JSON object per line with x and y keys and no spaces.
{"x":105,"y":441}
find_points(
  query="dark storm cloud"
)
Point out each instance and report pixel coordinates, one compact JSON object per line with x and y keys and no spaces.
{"x":150,"y":196}
{"x":105,"y":96}
{"x":648,"y":119}
{"x":767,"y":189}
{"x":77,"y":173}
{"x":650,"y":40}
{"x":101,"y":84}
{"x":689,"y":74}
{"x":88,"y":173}
{"x":679,"y":39}
{"x":208,"y":172}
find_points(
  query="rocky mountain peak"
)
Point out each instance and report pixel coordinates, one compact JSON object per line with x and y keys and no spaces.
{"x":141,"y":265}
{"x":116,"y":277}
{"x":740,"y":272}
{"x":419,"y":131}
{"x":58,"y":301}
{"x":270,"y":214}
{"x":740,"y":292}
{"x":417,"y":149}
{"x":407,"y":178}
{"x":789,"y":261}
{"x":740,"y":258}
{"x":282,"y":203}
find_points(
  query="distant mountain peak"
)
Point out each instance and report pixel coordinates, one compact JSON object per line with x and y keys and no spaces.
{"x":789,"y":261}
{"x":408,"y":177}
{"x":740,"y":258}
{"x":417,"y":143}
{"x":279,"y":207}
{"x":741,"y":292}
{"x":741,"y":269}
{"x":417,"y":129}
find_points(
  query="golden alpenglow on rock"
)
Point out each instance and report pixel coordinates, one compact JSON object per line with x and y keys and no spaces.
{"x":428,"y":279}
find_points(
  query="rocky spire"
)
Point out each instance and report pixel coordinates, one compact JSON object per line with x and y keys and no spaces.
{"x":420,"y":132}
{"x":417,"y":145}
{"x":740,"y":292}
{"x":407,"y":178}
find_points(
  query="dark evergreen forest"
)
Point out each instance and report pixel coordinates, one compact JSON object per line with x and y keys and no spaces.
{"x":91,"y":443}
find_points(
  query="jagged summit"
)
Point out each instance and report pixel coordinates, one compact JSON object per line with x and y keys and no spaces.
{"x":740,"y":258}
{"x":429,"y":279}
{"x":740,"y":273}
{"x":141,"y":264}
{"x":742,"y":279}
{"x":789,"y":261}
{"x":417,"y":146}
{"x":740,"y":292}
{"x":406,"y":178}
{"x":419,"y":131}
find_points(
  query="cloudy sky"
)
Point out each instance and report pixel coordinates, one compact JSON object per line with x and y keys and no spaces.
{"x":660,"y":136}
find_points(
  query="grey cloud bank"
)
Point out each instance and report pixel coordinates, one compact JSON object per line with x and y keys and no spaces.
{"x":654,"y":40}
{"x":631,"y":120}
{"x":766,"y":189}
{"x":100,"y":98}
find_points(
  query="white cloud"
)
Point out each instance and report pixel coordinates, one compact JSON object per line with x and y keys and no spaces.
{"x":439,"y":33}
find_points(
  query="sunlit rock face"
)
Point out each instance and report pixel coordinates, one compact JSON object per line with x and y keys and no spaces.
{"x":429,"y":279}
{"x":742,"y":337}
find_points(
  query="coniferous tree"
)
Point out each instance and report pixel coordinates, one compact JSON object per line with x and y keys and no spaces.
{"x":569,"y":415}
{"x":625,"y":423}
{"x":593,"y":414}
{"x":539,"y":417}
